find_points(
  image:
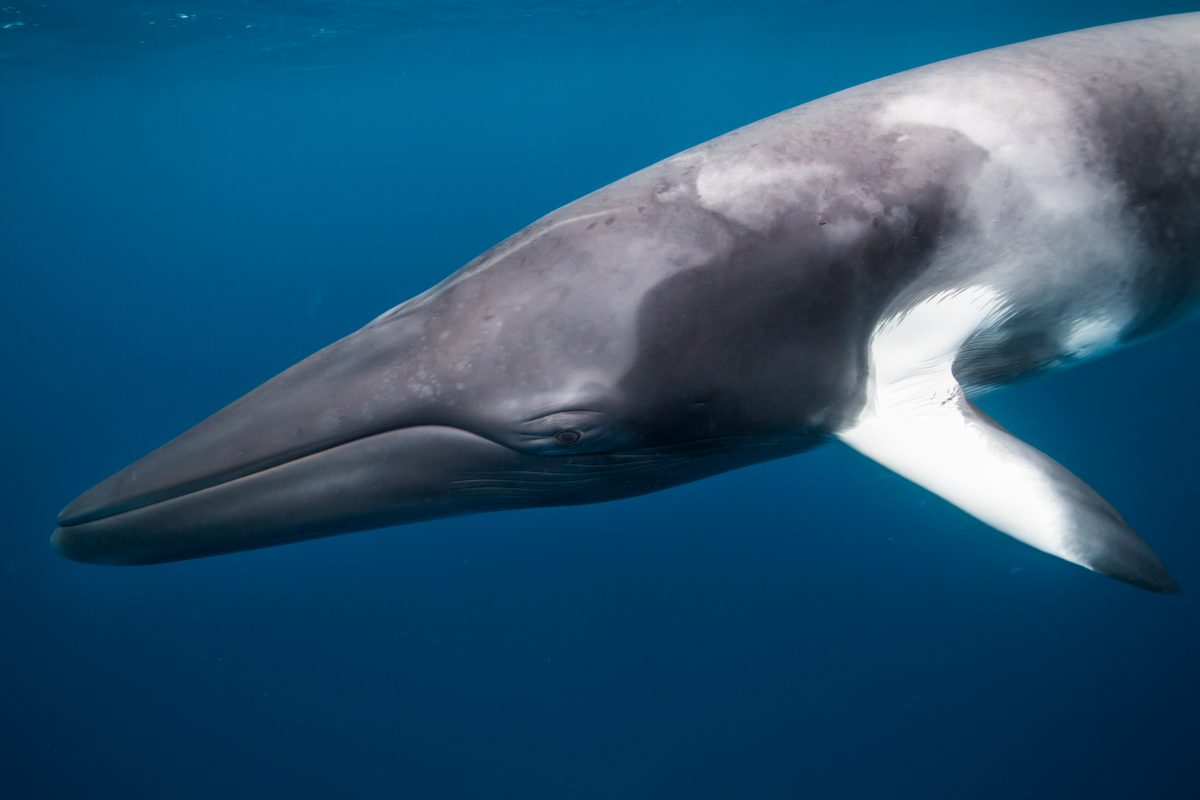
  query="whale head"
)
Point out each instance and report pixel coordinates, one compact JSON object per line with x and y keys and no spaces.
{"x":607,"y":351}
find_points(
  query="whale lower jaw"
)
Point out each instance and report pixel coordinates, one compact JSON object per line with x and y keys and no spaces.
{"x":391,"y":478}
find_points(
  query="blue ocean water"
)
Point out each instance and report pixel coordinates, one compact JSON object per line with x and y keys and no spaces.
{"x":194,"y":196}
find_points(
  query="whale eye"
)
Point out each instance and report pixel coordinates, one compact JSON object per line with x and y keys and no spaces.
{"x":568,"y":437}
{"x":569,"y":432}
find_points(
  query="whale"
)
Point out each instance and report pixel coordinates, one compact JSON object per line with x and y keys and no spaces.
{"x":857,"y":269}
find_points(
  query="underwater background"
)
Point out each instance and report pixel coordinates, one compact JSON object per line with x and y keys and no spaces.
{"x":194,"y":195}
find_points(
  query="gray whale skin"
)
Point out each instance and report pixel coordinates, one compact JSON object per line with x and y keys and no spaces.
{"x":854,"y":269}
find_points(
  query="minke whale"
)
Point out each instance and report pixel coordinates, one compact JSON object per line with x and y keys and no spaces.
{"x":857,"y":269}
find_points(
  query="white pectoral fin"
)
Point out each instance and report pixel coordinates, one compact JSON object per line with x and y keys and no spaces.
{"x":956,"y":451}
{"x":919,"y":423}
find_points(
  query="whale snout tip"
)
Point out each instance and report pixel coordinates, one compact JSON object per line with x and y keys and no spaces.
{"x":68,"y":545}
{"x":65,"y":517}
{"x":1151,"y":574}
{"x":1166,"y":585}
{"x":60,"y":541}
{"x":1154,"y":576}
{"x":76,"y":544}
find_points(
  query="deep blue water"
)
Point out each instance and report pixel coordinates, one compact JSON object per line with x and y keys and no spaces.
{"x":193,"y":197}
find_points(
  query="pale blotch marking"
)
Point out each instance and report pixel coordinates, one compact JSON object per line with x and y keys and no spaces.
{"x":918,"y":422}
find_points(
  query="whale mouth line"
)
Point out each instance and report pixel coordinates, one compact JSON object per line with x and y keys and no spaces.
{"x":91,"y":512}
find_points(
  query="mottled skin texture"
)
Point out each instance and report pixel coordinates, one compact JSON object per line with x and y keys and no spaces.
{"x":715,"y":309}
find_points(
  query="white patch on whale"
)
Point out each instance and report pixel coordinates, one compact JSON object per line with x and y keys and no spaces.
{"x":758,"y":191}
{"x":912,"y":353}
{"x":1050,"y":220}
{"x":1028,"y":135}
{"x":1090,"y":337}
{"x":918,"y":422}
